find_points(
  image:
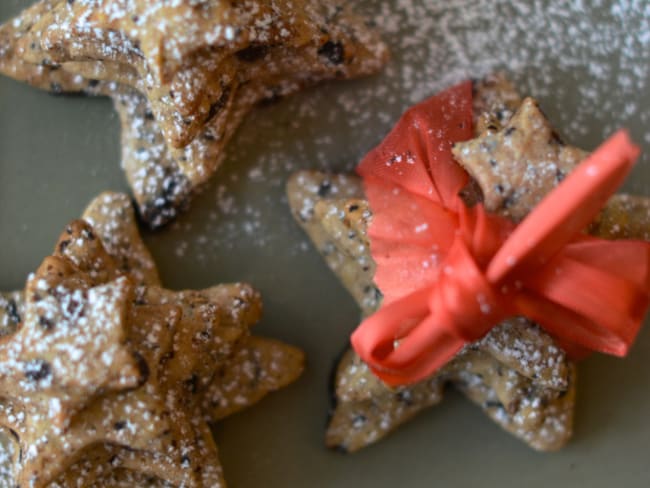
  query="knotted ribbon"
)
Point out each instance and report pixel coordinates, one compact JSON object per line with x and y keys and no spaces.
{"x":450,"y":273}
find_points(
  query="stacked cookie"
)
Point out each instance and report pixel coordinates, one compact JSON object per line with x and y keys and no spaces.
{"x":184,"y":75}
{"x":517,"y":374}
{"x":108,"y":379}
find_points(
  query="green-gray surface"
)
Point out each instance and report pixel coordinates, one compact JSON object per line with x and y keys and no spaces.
{"x":589,"y":68}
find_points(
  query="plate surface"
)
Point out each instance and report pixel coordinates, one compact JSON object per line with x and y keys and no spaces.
{"x":590,"y":68}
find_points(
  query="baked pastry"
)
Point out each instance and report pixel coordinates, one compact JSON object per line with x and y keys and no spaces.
{"x":110,"y":379}
{"x":517,"y":373}
{"x":196,"y":68}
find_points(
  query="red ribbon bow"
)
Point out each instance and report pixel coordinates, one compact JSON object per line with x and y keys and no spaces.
{"x":450,"y":273}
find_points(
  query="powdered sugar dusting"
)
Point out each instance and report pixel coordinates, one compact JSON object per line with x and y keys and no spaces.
{"x":588,"y":64}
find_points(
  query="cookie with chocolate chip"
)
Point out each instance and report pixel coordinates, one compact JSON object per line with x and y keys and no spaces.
{"x":191,"y":71}
{"x":517,"y":373}
{"x":110,"y":378}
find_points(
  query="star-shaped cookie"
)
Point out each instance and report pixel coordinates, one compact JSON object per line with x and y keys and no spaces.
{"x":529,"y":394}
{"x":197,"y":68}
{"x":109,"y":378}
{"x":516,"y":374}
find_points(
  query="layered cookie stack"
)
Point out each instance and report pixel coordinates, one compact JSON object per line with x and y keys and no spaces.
{"x":108,"y":379}
{"x":183,"y":75}
{"x":516,"y":373}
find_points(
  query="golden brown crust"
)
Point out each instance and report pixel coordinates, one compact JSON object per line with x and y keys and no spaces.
{"x":366,"y":411}
{"x":108,"y":371}
{"x":516,"y":373}
{"x":308,"y":190}
{"x":112,"y":218}
{"x":515,"y":166}
{"x":624,"y":217}
{"x":495,"y":100}
{"x":195,"y":84}
{"x":258,"y":367}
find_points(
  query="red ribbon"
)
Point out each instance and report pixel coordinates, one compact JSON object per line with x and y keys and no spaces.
{"x":450,"y":273}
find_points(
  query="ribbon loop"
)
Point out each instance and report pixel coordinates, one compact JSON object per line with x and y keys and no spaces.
{"x":450,"y":273}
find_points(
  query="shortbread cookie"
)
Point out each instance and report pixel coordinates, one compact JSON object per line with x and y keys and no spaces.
{"x":508,"y":352}
{"x":516,"y":373}
{"x":196,"y":84}
{"x":518,"y":164}
{"x":365,"y":410}
{"x":107,"y":375}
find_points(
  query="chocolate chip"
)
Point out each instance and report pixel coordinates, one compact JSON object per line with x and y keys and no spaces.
{"x":405,"y":397}
{"x":217,"y":106}
{"x":185,"y":461}
{"x":12,"y":312}
{"x":45,"y":323}
{"x":257,"y":373}
{"x":88,"y":234}
{"x":168,"y":356}
{"x":191,"y":384}
{"x":509,"y":201}
{"x":252,"y":53}
{"x":63,"y":245}
{"x":509,"y":131}
{"x":37,"y":370}
{"x":556,"y":139}
{"x":333,"y":51}
{"x":119,"y":425}
{"x":324,"y":188}
{"x":173,"y":197}
{"x":143,"y":368}
{"x":353,"y":208}
{"x":74,"y":309}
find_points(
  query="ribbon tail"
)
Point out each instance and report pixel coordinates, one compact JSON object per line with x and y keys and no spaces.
{"x":571,"y":328}
{"x":566,"y":211}
{"x":606,"y":284}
